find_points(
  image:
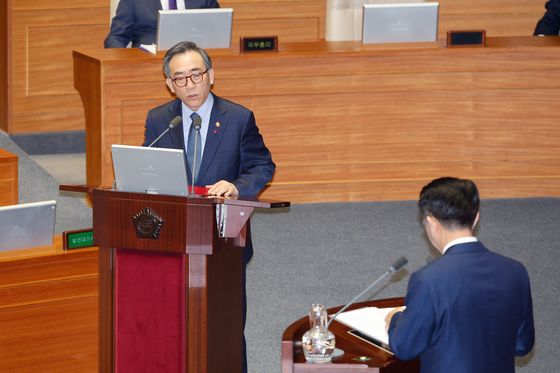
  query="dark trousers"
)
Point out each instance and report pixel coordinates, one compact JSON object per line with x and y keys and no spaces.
{"x":247,"y":255}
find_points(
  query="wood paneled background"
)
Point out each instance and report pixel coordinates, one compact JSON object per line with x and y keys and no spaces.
{"x":48,"y":310}
{"x":346,"y":123}
{"x":8,"y":178}
{"x":40,"y":36}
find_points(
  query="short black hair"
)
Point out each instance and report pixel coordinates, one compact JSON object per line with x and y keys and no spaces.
{"x":453,"y":202}
{"x":181,"y":48}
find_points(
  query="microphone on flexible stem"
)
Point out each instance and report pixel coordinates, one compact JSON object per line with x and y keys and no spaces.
{"x":174,"y":123}
{"x":398,"y":264}
{"x":197,"y":123}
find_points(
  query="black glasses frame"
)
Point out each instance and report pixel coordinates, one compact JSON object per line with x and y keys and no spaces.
{"x":195,"y":78}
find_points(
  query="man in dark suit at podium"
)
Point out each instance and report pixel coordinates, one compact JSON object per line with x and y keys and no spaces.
{"x":470,"y":310}
{"x":231,"y":158}
{"x":136,"y":20}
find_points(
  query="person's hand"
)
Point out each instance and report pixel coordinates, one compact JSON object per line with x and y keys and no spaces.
{"x":222,"y":188}
{"x":390,"y":316}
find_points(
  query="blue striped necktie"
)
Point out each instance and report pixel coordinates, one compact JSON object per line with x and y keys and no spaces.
{"x":190,"y":146}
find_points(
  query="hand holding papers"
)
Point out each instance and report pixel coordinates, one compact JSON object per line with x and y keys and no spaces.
{"x":397,"y":265}
{"x":390,"y":315}
{"x":370,"y":321}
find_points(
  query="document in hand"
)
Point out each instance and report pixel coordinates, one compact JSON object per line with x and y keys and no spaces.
{"x":369,"y":321}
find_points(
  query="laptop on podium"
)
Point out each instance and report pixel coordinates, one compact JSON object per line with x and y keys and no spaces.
{"x":149,"y":170}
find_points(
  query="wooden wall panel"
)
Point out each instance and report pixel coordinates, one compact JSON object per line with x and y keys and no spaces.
{"x":60,"y":336}
{"x":5,"y":9}
{"x":290,"y":20}
{"x":379,"y":120}
{"x":43,"y":37}
{"x":498,"y":18}
{"x":8,"y":178}
{"x":48,"y":310}
{"x":39,"y":37}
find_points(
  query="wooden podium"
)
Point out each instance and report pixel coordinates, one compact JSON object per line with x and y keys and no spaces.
{"x":359,"y":356}
{"x":170,"y":278}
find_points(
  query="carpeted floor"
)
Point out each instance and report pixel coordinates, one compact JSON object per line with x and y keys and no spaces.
{"x":36,"y":184}
{"x":327,"y":253}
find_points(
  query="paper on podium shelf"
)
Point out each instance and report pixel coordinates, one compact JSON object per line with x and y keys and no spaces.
{"x":369,"y":321}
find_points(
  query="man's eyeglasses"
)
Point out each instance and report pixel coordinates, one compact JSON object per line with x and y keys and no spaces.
{"x":195,"y":78}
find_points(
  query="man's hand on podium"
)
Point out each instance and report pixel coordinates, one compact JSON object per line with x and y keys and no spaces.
{"x":390,"y":316}
{"x":223,"y":188}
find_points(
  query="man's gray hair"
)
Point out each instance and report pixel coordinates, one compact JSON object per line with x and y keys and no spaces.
{"x":181,"y":48}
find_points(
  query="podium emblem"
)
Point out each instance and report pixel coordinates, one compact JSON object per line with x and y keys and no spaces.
{"x":147,"y":224}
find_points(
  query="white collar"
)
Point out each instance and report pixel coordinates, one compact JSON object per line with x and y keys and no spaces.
{"x":458,"y":241}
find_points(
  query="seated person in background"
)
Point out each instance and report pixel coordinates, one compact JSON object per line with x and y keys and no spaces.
{"x":550,"y":22}
{"x":470,"y":310}
{"x":136,"y":20}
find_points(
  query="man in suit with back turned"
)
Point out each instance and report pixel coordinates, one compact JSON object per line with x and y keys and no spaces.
{"x":470,"y":311}
{"x":136,"y":20}
{"x":232,"y":159}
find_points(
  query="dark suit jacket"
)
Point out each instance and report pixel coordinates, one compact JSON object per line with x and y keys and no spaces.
{"x":549,"y":24}
{"x":136,"y":20}
{"x":469,"y":311}
{"x":234,"y":151}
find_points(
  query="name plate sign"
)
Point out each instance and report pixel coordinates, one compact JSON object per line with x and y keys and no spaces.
{"x":259,"y":44}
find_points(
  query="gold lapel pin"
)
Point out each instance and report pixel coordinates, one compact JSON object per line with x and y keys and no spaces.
{"x":218,"y":124}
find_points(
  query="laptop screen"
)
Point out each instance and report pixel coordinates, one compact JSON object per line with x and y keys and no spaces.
{"x":208,"y":28}
{"x":400,"y":22}
{"x":27,"y":225}
{"x":149,"y":170}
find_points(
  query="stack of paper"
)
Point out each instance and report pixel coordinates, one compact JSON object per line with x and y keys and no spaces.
{"x":369,"y":321}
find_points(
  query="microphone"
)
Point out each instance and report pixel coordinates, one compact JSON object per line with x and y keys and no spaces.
{"x":196,"y":123}
{"x":397,"y":264}
{"x":174,"y":123}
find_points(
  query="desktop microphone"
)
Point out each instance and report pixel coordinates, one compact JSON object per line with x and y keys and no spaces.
{"x":196,"y":123}
{"x":174,"y":123}
{"x":398,"y":264}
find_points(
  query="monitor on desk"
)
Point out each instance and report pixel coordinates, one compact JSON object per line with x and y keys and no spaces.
{"x":27,"y":225}
{"x":400,"y":22}
{"x":208,"y":28}
{"x":149,"y":170}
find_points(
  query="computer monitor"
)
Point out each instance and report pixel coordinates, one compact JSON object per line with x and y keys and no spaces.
{"x":400,"y":22}
{"x":27,"y":225}
{"x":208,"y":28}
{"x":149,"y":170}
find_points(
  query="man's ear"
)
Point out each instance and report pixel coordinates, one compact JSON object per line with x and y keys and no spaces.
{"x":211,"y":76}
{"x":476,"y":219}
{"x":431,"y":220}
{"x":169,"y":83}
{"x":433,"y":225}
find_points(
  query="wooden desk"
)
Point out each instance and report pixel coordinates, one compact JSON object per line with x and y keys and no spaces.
{"x":8,"y":178}
{"x":37,"y":38}
{"x":293,"y":359}
{"x":346,"y":122}
{"x":48,"y":310}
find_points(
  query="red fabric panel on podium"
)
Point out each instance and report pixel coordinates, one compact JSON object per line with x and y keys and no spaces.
{"x":149,"y":312}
